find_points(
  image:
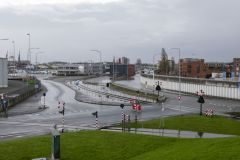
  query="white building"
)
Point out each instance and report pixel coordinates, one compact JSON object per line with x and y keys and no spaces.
{"x":68,"y":70}
{"x":85,"y":68}
{"x":77,"y":69}
{"x":3,"y":72}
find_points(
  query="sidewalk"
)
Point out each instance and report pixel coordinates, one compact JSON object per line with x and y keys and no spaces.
{"x":28,"y":106}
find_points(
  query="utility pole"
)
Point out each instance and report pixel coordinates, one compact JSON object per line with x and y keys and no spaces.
{"x":123,"y":122}
{"x":29,"y":47}
{"x":100,"y":58}
{"x":113,"y":69}
{"x":179,"y":76}
{"x":14,"y":64}
{"x":200,"y":100}
{"x":96,"y":119}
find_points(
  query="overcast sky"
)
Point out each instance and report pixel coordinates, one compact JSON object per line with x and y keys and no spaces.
{"x":68,"y":29}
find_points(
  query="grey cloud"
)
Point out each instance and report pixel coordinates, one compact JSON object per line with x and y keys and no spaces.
{"x":133,"y":28}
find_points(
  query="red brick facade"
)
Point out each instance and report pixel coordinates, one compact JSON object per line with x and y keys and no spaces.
{"x":193,"y":68}
{"x":236,"y":65}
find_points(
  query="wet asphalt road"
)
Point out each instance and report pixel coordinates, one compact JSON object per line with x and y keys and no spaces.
{"x":78,"y":115}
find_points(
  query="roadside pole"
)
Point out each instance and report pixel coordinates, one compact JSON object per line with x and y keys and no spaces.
{"x":200,"y":100}
{"x":44,"y":100}
{"x":122,"y":106}
{"x":96,"y":119}
{"x":158,"y":88}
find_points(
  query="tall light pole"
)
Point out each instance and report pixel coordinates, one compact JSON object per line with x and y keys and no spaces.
{"x":100,"y":58}
{"x":29,"y":47}
{"x":179,"y":77}
{"x":14,"y":64}
{"x":4,"y":39}
{"x":113,"y":78}
{"x":153,"y":66}
{"x":36,"y":58}
{"x":35,"y":48}
{"x":127,"y":69}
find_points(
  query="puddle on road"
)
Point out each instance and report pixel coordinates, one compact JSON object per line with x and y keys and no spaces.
{"x":170,"y":133}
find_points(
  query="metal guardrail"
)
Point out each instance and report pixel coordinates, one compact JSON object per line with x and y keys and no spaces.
{"x":111,"y":95}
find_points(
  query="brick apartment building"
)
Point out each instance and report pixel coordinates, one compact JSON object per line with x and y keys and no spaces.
{"x":197,"y":68}
{"x":192,"y":67}
{"x":236,"y":65}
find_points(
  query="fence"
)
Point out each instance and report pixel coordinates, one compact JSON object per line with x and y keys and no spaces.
{"x":216,"y":88}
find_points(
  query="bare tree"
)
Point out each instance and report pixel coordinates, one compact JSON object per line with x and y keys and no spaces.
{"x":164,"y":66}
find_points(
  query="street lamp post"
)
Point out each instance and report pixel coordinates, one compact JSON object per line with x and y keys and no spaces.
{"x":35,"y":48}
{"x":4,"y":39}
{"x":179,"y":77}
{"x":153,"y":66}
{"x":14,"y":64}
{"x":29,"y":47}
{"x":95,"y":114}
{"x":200,"y":100}
{"x":100,"y":58}
{"x":113,"y":78}
{"x":123,"y":119}
{"x":36,"y":58}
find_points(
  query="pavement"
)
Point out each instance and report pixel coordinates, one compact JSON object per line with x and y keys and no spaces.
{"x":31,"y":105}
{"x":78,"y":115}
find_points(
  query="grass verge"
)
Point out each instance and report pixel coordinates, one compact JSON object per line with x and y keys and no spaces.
{"x":97,"y":145}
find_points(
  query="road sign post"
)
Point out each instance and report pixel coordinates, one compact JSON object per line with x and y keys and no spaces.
{"x":158,"y":89}
{"x":122,"y":106}
{"x":44,"y":100}
{"x":200,"y":100}
{"x":96,"y":119}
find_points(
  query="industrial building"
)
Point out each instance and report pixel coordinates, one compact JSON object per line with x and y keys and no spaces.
{"x":122,"y":70}
{"x":3,"y":72}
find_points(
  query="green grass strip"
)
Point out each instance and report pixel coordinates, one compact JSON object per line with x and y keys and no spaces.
{"x":97,"y":145}
{"x":215,"y":124}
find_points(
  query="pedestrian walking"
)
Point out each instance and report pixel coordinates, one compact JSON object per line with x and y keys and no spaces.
{"x":1,"y":102}
{"x":4,"y":104}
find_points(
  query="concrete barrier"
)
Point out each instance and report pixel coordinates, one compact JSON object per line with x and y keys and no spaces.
{"x":17,"y":96}
{"x":216,"y":88}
